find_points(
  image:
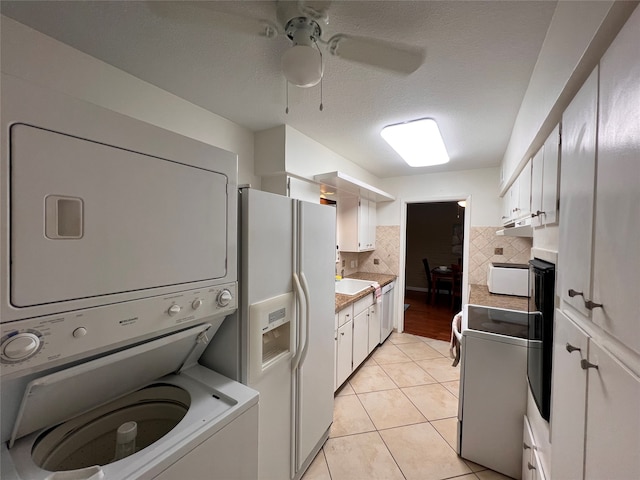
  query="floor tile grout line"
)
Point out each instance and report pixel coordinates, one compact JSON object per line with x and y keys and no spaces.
{"x":391,"y":453}
{"x":430,"y":422}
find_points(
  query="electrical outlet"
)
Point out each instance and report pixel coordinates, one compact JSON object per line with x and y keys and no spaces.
{"x":498,"y":251}
{"x":376,"y":261}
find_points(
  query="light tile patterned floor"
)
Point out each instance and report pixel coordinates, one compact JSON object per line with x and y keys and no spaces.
{"x":396,"y":418}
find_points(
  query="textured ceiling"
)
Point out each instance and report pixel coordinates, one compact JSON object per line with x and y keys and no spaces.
{"x":479,"y":58}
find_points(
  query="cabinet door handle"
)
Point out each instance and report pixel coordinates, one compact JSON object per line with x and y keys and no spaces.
{"x":530,"y":467}
{"x":572,"y":293}
{"x":342,"y":333}
{"x":525,"y":446}
{"x":537,"y":214}
{"x":585,"y":364}
{"x":590,"y":305}
{"x":570,"y":348}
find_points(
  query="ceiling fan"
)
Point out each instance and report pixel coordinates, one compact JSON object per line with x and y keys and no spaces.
{"x":302,"y":22}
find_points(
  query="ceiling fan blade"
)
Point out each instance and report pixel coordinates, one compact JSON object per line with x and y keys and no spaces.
{"x":397,"y":57}
{"x":206,"y":14}
{"x":318,"y":10}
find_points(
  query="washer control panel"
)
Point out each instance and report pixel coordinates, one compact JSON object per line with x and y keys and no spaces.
{"x":43,"y":342}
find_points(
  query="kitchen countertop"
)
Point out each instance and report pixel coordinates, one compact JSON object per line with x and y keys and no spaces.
{"x":343,"y":301}
{"x":480,"y":295}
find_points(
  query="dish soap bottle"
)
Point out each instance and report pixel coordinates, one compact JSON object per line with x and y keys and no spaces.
{"x":126,"y":440}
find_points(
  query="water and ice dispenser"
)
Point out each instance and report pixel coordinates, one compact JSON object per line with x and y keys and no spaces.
{"x":271,"y":332}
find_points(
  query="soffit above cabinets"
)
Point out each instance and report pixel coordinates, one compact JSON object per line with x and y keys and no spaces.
{"x":341,"y":184}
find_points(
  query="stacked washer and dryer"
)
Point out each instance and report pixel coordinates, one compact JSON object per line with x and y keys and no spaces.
{"x":117,"y":267}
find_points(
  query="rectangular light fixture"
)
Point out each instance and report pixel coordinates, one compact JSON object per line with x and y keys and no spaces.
{"x":418,"y":142}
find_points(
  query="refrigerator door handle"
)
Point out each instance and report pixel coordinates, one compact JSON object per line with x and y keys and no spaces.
{"x":300,"y":295}
{"x":305,"y":289}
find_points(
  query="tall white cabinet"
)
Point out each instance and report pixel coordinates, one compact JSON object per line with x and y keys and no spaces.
{"x":595,"y":424}
{"x":595,"y":414}
{"x":577,"y":180}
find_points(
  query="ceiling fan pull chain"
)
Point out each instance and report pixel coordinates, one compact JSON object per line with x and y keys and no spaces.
{"x":322,"y":70}
{"x":287,"y":109}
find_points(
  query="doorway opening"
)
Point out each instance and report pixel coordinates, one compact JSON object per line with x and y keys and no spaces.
{"x":434,"y":256}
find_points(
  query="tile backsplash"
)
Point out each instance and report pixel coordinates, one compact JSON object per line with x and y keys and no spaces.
{"x":387,"y":254}
{"x":483,"y":245}
{"x":484,"y":248}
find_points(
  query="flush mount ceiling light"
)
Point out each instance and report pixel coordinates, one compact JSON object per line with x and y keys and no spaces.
{"x":418,"y":142}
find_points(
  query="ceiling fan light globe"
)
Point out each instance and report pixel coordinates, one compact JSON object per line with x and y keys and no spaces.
{"x":302,"y":65}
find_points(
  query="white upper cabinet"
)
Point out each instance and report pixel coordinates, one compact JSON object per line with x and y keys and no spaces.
{"x":517,"y":201}
{"x":550,"y":178}
{"x":616,"y":258}
{"x":599,"y":262}
{"x":537,"y":167}
{"x":292,"y":187}
{"x":523,"y":207}
{"x":576,"y":195}
{"x":356,"y":224}
{"x":545,"y":181}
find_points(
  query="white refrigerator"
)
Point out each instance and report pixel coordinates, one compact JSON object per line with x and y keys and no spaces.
{"x":287,"y":307}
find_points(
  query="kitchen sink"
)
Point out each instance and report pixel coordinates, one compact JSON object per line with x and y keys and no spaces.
{"x":351,"y":286}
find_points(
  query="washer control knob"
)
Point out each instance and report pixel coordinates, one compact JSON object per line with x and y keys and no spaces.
{"x":79,"y":332}
{"x":174,"y":309}
{"x":20,"y":346}
{"x":197,"y":303}
{"x":224,"y":298}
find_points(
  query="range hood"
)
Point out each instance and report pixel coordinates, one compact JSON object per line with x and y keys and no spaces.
{"x":521,"y":228}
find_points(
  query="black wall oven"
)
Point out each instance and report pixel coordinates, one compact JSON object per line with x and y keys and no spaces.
{"x":540,"y":337}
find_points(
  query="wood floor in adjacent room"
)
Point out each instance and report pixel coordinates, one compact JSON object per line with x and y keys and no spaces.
{"x":431,"y":321}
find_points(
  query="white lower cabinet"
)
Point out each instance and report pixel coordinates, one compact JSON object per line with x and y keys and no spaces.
{"x":357,"y":335}
{"x":360,"y":338}
{"x":531,"y":464}
{"x":344,"y":349}
{"x":374,"y":326}
{"x":595,"y":420}
{"x":612,"y":444}
{"x":568,"y":398}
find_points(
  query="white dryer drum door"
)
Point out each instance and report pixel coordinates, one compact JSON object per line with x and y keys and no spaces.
{"x":89,"y":219}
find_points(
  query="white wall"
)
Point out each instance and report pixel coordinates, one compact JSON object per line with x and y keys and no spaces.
{"x":579,"y":33}
{"x":481,"y":185}
{"x":306,"y":158}
{"x":42,"y":60}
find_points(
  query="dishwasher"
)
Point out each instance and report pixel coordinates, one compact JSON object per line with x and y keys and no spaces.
{"x":386,"y":323}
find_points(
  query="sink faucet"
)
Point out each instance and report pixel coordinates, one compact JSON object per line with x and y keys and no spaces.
{"x":342,"y":273}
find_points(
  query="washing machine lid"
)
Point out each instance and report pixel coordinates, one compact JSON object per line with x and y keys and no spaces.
{"x":63,"y":395}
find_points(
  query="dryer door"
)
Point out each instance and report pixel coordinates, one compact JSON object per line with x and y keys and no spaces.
{"x":89,"y":219}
